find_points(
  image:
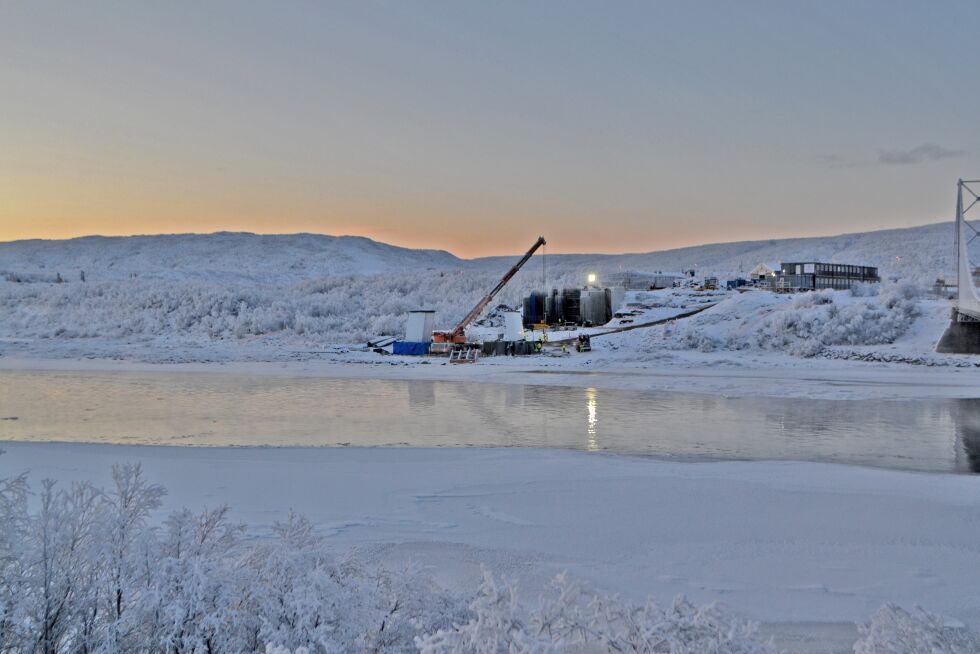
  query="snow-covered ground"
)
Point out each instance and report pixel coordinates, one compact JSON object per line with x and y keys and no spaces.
{"x":896,"y":322}
{"x":832,"y":344}
{"x":229,"y":296}
{"x":783,"y":543}
{"x":798,"y":546}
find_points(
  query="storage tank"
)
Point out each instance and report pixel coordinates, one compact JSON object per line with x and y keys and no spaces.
{"x":551,"y":304}
{"x":513,"y":326}
{"x":570,"y":305}
{"x":614,"y":300}
{"x":535,"y":308}
{"x":592,"y":303}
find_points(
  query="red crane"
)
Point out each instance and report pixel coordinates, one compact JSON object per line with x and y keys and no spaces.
{"x":457,"y":334}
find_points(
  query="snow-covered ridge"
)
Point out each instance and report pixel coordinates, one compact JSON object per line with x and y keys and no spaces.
{"x":222,"y":256}
{"x":912,"y":253}
{"x":915,"y":252}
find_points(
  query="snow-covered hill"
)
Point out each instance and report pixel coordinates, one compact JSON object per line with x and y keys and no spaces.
{"x":224,"y":256}
{"x":914,"y":253}
{"x":182,"y":295}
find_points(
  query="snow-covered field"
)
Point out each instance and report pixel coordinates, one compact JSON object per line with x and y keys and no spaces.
{"x":782,"y":543}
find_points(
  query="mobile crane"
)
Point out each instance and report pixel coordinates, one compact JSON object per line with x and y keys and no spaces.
{"x":443,"y":341}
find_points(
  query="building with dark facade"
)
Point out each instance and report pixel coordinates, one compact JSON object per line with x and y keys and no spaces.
{"x":813,"y":276}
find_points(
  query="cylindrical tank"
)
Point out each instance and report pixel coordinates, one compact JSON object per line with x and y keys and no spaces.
{"x":541,"y":303}
{"x":513,"y":326}
{"x":570,"y":305}
{"x":592,"y":306}
{"x":614,"y":300}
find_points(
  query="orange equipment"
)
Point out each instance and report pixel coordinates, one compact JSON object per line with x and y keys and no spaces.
{"x":457,"y":335}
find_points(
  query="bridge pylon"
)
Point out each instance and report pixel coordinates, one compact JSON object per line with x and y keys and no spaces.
{"x":963,"y":334}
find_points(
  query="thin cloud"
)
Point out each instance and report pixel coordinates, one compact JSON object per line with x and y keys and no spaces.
{"x":921,"y":154}
{"x":925,"y":153}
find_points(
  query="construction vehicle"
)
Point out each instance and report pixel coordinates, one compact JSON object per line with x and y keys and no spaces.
{"x":443,"y":342}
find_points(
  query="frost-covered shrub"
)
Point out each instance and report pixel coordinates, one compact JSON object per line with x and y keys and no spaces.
{"x":573,"y":617}
{"x":338,"y":309}
{"x":817,"y":320}
{"x":804,"y":324}
{"x":85,"y":571}
{"x":865,"y":289}
{"x":814,"y":299}
{"x":894,"y":630}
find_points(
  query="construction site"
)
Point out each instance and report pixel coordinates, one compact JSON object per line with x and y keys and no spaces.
{"x":564,"y":321}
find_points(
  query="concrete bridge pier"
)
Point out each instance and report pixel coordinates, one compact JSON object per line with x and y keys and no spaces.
{"x":962,"y":336}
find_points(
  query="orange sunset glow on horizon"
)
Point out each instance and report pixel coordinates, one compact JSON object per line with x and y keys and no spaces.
{"x":467,"y":131}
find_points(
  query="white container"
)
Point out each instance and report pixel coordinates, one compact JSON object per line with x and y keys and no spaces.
{"x":418,"y":329}
{"x":513,"y":326}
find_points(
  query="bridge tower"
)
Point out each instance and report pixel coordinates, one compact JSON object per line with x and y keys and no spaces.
{"x":963,"y":334}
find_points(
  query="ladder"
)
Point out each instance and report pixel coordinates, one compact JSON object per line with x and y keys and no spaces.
{"x":463,"y":355}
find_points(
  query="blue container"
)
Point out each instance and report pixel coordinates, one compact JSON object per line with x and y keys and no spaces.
{"x":410,"y":348}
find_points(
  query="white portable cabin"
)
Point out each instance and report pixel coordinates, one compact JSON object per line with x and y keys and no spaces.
{"x":419,"y":327}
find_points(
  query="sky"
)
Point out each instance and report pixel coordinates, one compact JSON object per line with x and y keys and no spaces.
{"x":475,"y":127}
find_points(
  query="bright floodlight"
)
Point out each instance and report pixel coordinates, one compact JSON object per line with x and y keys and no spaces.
{"x":592,"y":278}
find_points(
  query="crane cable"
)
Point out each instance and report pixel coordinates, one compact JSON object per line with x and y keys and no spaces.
{"x":544,"y":271}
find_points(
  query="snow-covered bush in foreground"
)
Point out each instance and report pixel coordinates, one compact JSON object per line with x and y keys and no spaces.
{"x":895,"y":631}
{"x":86,"y":571}
{"x":575,"y":617}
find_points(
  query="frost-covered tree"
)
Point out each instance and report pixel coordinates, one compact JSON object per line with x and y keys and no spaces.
{"x":13,"y":573}
{"x":573,"y":617}
{"x":127,"y":509}
{"x":62,"y":541}
{"x":893,"y":630}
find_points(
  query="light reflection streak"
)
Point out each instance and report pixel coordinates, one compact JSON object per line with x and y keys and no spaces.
{"x":591,"y":425}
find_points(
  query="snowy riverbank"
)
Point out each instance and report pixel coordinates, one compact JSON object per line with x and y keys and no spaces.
{"x":777,"y":542}
{"x":831,"y":345}
{"x":214,"y":298}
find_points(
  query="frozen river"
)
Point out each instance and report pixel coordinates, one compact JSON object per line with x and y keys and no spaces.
{"x":204,"y":409}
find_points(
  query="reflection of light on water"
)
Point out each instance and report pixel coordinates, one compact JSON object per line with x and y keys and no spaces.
{"x":590,"y":429}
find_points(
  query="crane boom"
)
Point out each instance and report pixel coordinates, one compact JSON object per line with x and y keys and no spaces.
{"x":457,"y":334}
